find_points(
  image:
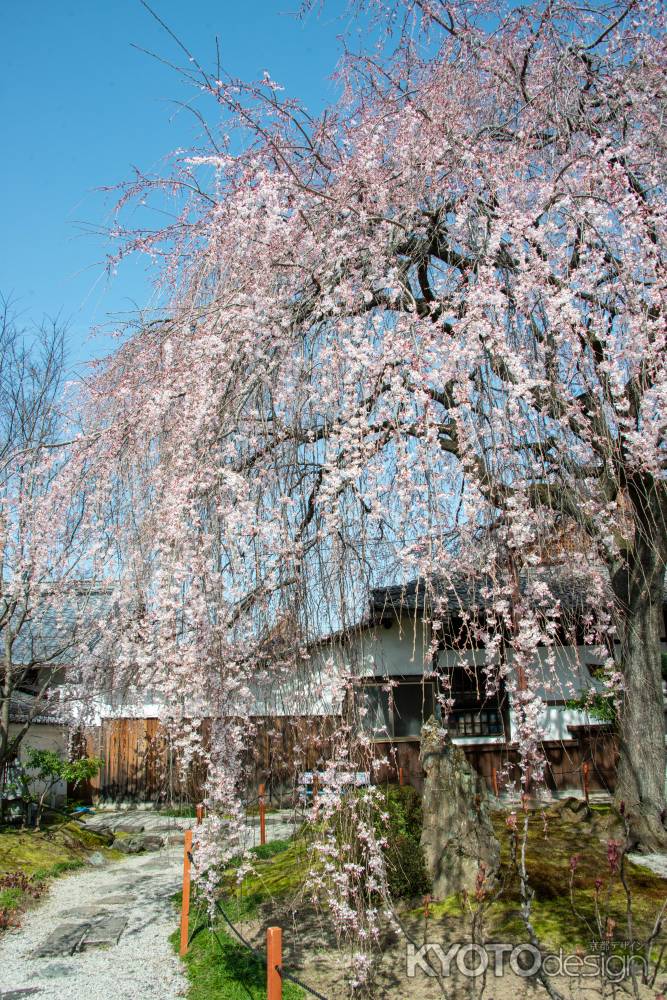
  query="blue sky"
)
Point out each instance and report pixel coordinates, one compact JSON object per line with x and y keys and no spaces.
{"x":80,"y":106}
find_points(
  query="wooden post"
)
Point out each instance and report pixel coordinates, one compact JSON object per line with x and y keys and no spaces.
{"x":199,"y":812}
{"x":185,"y":903}
{"x":585,"y":771}
{"x":262,"y":816}
{"x":274,"y":961}
{"x":401,"y":776}
{"x":494,"y":781}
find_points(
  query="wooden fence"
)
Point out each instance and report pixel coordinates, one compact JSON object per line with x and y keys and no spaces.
{"x":143,"y":763}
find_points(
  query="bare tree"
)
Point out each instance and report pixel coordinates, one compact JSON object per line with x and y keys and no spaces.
{"x":43,"y":604}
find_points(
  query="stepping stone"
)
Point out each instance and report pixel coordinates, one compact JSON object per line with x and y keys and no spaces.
{"x":17,"y":994}
{"x":87,"y":913}
{"x":57,"y":970}
{"x":106,"y":933}
{"x":64,"y":940}
{"x":118,"y":897}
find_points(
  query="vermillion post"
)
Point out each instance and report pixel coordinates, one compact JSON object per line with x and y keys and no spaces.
{"x":401,"y":776}
{"x":262,"y":816}
{"x":199,"y":812}
{"x":185,"y":903}
{"x":585,"y":770}
{"x":494,"y":781}
{"x":274,"y":961}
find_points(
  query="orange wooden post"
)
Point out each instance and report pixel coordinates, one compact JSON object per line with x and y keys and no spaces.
{"x":494,"y":781}
{"x":401,"y":777}
{"x":185,"y":903}
{"x":274,"y":961}
{"x":199,"y":812}
{"x":262,"y":816}
{"x":585,"y":770}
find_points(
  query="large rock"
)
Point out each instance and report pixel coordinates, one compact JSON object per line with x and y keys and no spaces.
{"x":137,"y":845}
{"x":457,"y":836}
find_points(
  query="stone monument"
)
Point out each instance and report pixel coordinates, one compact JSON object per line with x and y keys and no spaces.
{"x":457,"y":836}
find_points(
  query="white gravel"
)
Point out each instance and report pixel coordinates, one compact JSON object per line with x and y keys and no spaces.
{"x":656,"y":862}
{"x":142,"y":966}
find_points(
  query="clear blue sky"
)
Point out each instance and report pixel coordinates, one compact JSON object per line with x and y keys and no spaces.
{"x":80,"y":106}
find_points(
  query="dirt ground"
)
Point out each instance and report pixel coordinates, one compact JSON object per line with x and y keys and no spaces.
{"x":310,"y":954}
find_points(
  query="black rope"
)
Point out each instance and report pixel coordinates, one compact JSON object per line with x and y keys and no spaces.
{"x":286,"y":975}
{"x":260,"y":956}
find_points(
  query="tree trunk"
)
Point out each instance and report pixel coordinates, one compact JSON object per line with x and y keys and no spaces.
{"x":641,"y":722}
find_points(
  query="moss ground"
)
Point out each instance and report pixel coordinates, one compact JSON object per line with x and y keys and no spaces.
{"x":42,"y":856}
{"x":557,"y":839}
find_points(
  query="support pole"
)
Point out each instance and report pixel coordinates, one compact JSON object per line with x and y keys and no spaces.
{"x":185,"y":903}
{"x":262,"y":816}
{"x":494,"y":781}
{"x":199,"y":813}
{"x":401,"y":776}
{"x":274,"y":961}
{"x":585,"y":772}
{"x":316,"y":788}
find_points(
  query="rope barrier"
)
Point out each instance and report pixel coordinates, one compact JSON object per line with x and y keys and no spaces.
{"x":284,"y":974}
{"x":280,"y":969}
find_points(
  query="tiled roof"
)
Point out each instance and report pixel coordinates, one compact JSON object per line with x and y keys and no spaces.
{"x":49,"y":635}
{"x":459,"y":594}
{"x":19,"y":711}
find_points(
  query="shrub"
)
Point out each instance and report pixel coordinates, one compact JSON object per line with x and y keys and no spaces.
{"x":50,"y":768}
{"x":406,"y":868}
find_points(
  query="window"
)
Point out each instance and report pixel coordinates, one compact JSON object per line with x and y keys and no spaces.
{"x":474,"y":713}
{"x":397,"y":712}
{"x":485,"y":722}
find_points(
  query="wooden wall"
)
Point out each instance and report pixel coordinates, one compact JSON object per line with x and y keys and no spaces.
{"x":141,"y":763}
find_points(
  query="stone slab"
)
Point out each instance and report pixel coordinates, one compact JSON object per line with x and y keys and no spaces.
{"x":96,"y":859}
{"x":129,"y":826}
{"x":118,"y":898}
{"x":106,"y":933}
{"x":86,"y":913}
{"x":56,"y":970}
{"x":18,"y":994}
{"x":64,"y":939}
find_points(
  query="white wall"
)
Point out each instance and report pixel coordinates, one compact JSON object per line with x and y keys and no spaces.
{"x":44,"y":737}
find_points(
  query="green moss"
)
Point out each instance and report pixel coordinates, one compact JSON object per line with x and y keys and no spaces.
{"x":186,"y":811}
{"x":274,"y":847}
{"x":555,"y":837}
{"x":43,"y":855}
{"x":274,"y":876}
{"x":32,"y":850}
{"x":559,"y":839}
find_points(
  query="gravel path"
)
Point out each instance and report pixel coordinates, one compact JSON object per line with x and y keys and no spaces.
{"x":141,"y":966}
{"x":106,"y":929}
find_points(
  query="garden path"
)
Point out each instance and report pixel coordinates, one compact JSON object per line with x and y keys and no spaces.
{"x":104,"y":931}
